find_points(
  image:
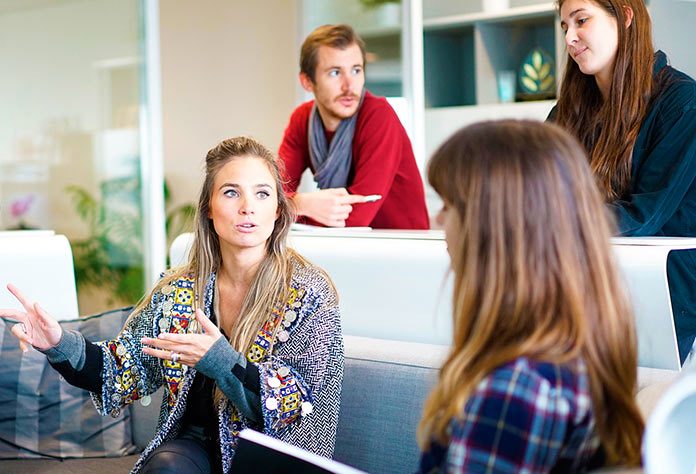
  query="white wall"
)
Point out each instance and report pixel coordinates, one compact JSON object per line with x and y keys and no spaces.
{"x":229,"y":67}
{"x":673,"y":32}
{"x":52,"y":99}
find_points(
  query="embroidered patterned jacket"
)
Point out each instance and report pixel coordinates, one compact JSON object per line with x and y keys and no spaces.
{"x":307,"y":360}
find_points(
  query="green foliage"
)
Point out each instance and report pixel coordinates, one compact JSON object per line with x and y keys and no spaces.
{"x":111,"y":256}
{"x":178,"y":219}
{"x":376,"y":3}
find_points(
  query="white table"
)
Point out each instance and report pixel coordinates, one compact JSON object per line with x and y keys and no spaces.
{"x":394,"y":285}
{"x":643,"y":263}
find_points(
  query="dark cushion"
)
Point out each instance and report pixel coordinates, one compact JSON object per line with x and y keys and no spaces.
{"x":41,"y":415}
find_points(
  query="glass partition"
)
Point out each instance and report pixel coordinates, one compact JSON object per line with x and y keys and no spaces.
{"x":71,"y":136}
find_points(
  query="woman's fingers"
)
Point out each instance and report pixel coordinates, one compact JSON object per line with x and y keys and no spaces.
{"x":20,"y":296}
{"x":161,"y":343}
{"x":45,"y":318}
{"x":20,"y":333}
{"x":159,"y":353}
{"x":189,"y":348}
{"x":173,"y":355}
{"x":207,"y":325}
{"x":15,"y":314}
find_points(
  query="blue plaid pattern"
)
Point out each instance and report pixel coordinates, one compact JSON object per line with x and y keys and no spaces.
{"x":524,"y":417}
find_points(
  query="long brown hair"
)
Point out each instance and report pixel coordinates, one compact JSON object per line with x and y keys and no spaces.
{"x":533,"y":274}
{"x":608,"y":128}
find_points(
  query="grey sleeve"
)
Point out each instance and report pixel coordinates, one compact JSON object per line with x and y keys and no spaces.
{"x":78,"y":361}
{"x":238,"y":380}
{"x":70,"y":348}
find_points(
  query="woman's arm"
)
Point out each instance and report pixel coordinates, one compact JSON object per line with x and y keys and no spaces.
{"x":78,"y":361}
{"x":127,"y":372}
{"x":237,"y":378}
{"x":67,"y":351}
{"x":664,"y":168}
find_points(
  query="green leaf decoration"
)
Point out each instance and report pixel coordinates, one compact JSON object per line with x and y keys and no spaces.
{"x":529,"y":69}
{"x":530,"y":84}
{"x":547,"y":83}
{"x":536,"y":59}
{"x":536,"y":73}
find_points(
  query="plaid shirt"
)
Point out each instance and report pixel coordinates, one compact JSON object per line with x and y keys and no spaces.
{"x":524,"y":417}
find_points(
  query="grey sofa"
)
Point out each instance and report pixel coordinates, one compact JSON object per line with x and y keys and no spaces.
{"x":384,"y":388}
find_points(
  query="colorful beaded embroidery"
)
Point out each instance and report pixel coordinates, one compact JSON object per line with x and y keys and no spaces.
{"x":262,"y":344}
{"x":181,"y":313}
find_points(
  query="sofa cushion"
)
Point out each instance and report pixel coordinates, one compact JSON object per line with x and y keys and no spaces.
{"x":41,"y":415}
{"x":120,"y":465}
{"x":385,"y":384}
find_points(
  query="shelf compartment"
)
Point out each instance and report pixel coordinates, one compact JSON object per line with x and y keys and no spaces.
{"x":449,"y":67}
{"x":503,"y":46}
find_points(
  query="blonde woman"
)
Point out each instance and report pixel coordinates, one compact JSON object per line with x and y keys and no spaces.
{"x":246,"y":334}
{"x":543,"y":365}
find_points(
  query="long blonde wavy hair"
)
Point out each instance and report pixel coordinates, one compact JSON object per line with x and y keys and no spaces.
{"x":271,"y":282}
{"x":534,"y":274}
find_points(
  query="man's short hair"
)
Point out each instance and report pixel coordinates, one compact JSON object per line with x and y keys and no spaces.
{"x":335,"y":36}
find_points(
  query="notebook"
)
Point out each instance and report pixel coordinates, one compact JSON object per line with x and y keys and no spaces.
{"x":257,"y":452}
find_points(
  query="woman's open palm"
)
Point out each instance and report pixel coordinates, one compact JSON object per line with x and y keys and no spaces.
{"x":36,"y":327}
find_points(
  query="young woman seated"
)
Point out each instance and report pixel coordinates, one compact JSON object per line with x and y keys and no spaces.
{"x":636,"y":117}
{"x":543,"y":366}
{"x":246,"y":334}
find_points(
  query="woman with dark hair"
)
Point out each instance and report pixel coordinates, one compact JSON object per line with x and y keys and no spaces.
{"x":636,"y":118}
{"x":542,"y":370}
{"x":246,"y":334}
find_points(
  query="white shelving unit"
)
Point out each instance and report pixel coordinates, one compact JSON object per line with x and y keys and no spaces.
{"x":464,"y":52}
{"x":512,"y":14}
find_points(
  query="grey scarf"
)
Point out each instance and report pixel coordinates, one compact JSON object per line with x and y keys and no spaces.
{"x":331,"y":163}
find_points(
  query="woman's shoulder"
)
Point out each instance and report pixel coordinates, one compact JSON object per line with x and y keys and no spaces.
{"x":177,"y":277}
{"x":675,"y":89}
{"x":530,"y":380}
{"x":308,"y":276}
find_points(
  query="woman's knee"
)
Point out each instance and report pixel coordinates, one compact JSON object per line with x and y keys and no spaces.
{"x":178,"y":457}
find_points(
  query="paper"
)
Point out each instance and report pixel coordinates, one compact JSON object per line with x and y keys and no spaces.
{"x":316,"y":228}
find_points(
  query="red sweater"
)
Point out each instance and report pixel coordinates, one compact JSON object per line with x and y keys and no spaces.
{"x":383,"y":163}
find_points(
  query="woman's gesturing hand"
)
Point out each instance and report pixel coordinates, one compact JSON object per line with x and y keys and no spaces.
{"x":187,"y":349}
{"x":36,"y":327}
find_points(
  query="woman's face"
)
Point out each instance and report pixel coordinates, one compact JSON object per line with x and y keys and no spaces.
{"x":448,"y":219}
{"x":591,"y":37}
{"x":244,"y":204}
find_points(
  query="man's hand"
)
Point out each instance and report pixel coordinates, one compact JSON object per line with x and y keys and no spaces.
{"x":330,"y":207}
